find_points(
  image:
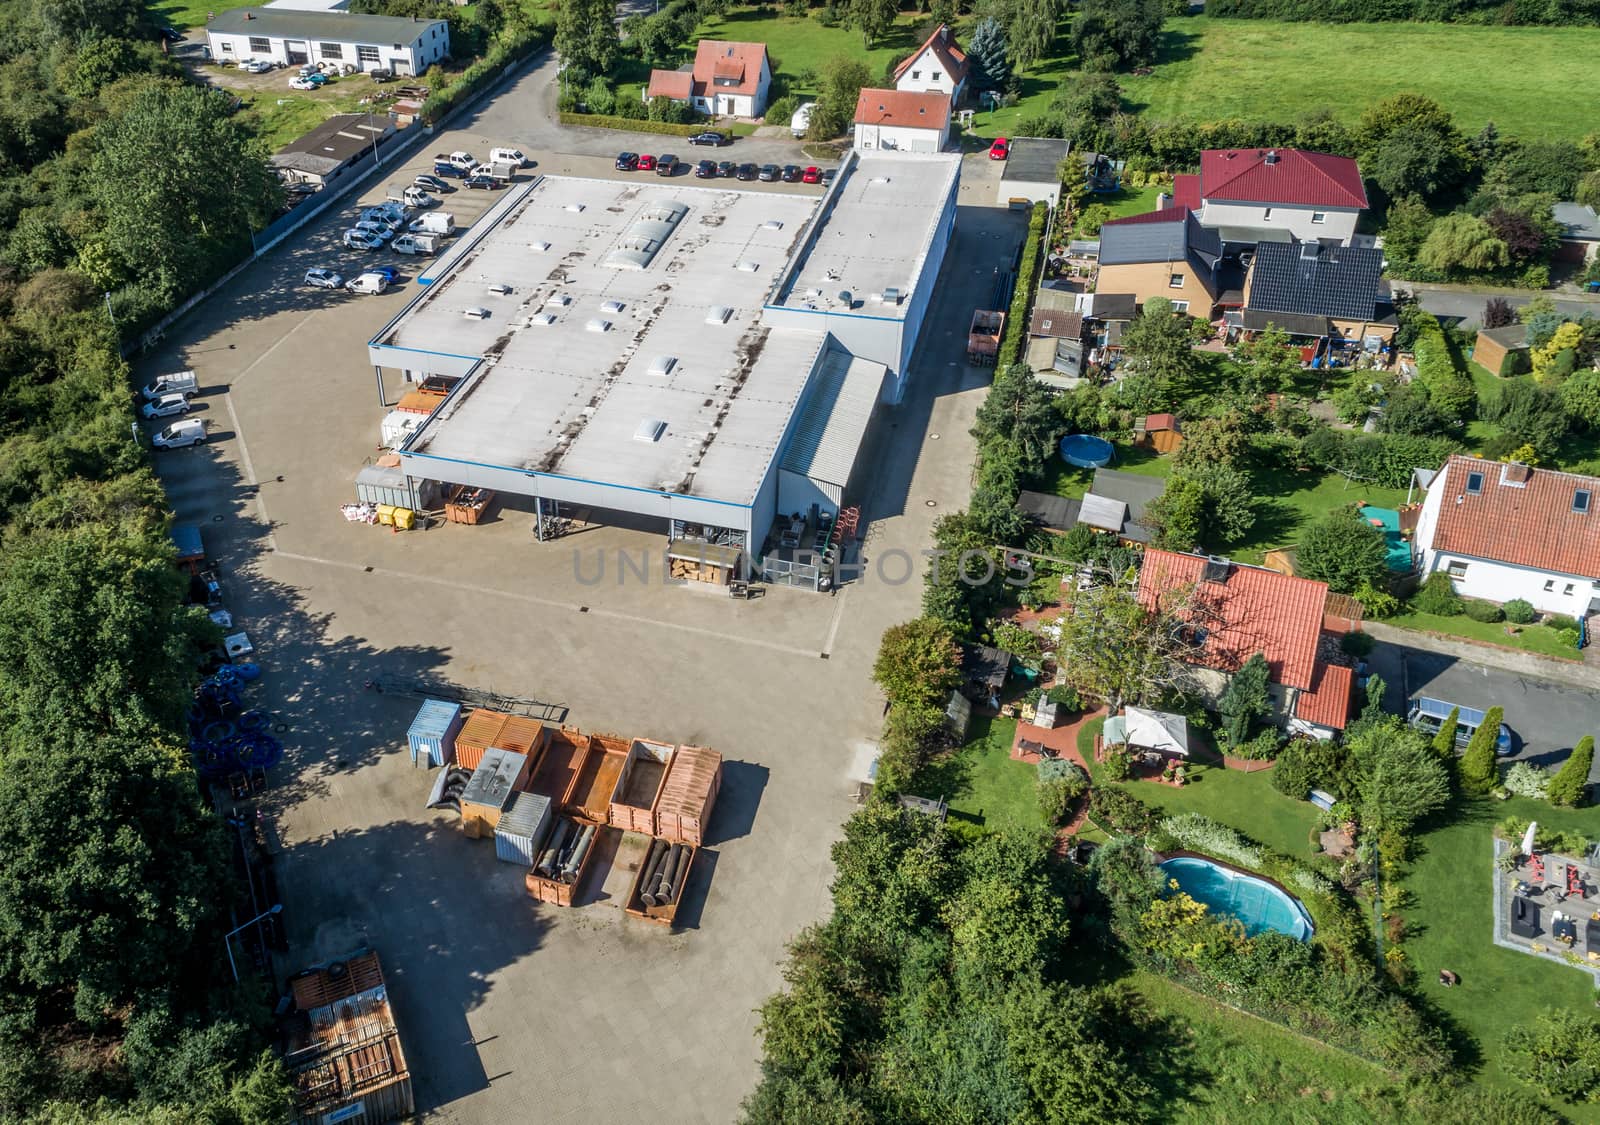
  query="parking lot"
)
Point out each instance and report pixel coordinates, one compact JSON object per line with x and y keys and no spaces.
{"x":504,"y":1004}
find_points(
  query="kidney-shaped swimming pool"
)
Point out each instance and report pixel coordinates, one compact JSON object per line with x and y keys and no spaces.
{"x":1255,"y":902}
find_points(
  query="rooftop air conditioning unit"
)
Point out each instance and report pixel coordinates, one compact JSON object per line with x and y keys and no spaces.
{"x":596,"y":324}
{"x":891,"y":296}
{"x":718,"y":314}
{"x":612,"y":307}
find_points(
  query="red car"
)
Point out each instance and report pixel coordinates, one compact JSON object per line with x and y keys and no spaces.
{"x":997,"y":151}
{"x":812,"y":175}
{"x":647,"y":163}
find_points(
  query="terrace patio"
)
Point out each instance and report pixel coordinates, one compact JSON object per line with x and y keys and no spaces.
{"x":1548,"y":906}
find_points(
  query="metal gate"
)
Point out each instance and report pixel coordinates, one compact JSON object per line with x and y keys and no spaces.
{"x":791,"y":572}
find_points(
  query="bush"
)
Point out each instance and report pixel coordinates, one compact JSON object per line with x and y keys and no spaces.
{"x":1291,"y":776}
{"x":1262,"y":748}
{"x":1478,"y":771}
{"x":781,"y":111}
{"x":633,"y":125}
{"x":1022,"y":293}
{"x":1526,"y":780}
{"x":1357,"y":644}
{"x":1202,"y":834}
{"x":1065,"y":696}
{"x":1560,"y":621}
{"x":1518,"y":611}
{"x":1378,"y":603}
{"x":1115,"y":808}
{"x":1480,"y":610}
{"x":1571,"y":783}
{"x":1437,"y":596}
{"x":1117,"y":765}
{"x":1055,"y":798}
{"x":1053,"y":769}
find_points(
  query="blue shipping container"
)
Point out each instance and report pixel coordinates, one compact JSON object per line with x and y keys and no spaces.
{"x":521,"y":831}
{"x":433,"y":733}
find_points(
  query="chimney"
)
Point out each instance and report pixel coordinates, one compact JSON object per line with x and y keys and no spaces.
{"x":1515,"y":473}
{"x":1272,"y":156}
{"x":1215,"y":569}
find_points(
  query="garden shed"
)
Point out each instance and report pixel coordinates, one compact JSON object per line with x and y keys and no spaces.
{"x":1504,"y":351}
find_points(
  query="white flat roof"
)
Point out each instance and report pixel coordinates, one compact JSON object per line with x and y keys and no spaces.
{"x":574,"y":384}
{"x":877,"y":235}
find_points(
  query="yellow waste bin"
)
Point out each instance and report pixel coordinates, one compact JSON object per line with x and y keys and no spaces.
{"x":404,"y":518}
{"x":386,"y":515}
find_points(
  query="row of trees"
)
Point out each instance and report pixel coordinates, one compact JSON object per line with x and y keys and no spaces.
{"x":1512,"y":13}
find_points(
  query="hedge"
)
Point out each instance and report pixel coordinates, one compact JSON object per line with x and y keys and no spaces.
{"x":502,"y":55}
{"x":1022,"y":292}
{"x":630,"y":124}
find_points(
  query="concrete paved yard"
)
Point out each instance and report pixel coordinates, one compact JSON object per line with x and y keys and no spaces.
{"x":509,"y":1010}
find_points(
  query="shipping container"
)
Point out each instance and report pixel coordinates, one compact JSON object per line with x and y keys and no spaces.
{"x":433,"y":733}
{"x":343,"y":1053}
{"x":633,"y":804}
{"x":588,"y":798}
{"x":484,"y":729}
{"x":683,"y":810}
{"x":377,"y":484}
{"x":494,"y":785}
{"x":522,"y":829}
{"x":663,"y":909}
{"x":551,"y":881}
{"x":563,"y":753}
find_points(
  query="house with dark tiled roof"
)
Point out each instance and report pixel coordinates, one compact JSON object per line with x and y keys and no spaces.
{"x":1161,"y":254}
{"x":1253,"y":195}
{"x":1315,"y":291}
{"x":1503,"y":530}
{"x":727,"y":79}
{"x":939,"y":66}
{"x":1231,"y":612}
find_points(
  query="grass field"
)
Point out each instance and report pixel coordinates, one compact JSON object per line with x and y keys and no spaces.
{"x":184,"y":14}
{"x":1533,"y":638}
{"x":799,"y":47}
{"x":1518,"y":77}
{"x":988,"y":786}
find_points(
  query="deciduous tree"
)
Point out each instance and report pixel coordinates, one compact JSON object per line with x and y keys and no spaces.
{"x":873,"y":18}
{"x":1462,"y":243}
{"x":1343,"y":550}
{"x":918,"y":662}
{"x":1113,"y":649}
{"x":1398,"y":777}
{"x":586,"y":35}
{"x":842,"y":80}
{"x":1118,"y":33}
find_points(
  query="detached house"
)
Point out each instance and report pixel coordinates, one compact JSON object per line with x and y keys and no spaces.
{"x":1317,"y":292}
{"x":727,"y":79}
{"x":1162,"y":254}
{"x":1231,"y":612}
{"x":890,"y":119}
{"x":937,"y":67}
{"x":1255,"y":195}
{"x":1502,"y":530}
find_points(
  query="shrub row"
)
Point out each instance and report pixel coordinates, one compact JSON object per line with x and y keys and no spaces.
{"x":1022,"y":293}
{"x":494,"y":63}
{"x":631,"y":124}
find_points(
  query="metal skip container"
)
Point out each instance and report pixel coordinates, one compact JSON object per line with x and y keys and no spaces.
{"x":522,"y":829}
{"x":433,"y":733}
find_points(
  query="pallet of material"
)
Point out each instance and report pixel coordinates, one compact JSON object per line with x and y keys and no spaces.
{"x":468,"y":505}
{"x":563,"y":753}
{"x":563,"y":861}
{"x":485,"y":728}
{"x":588,"y":798}
{"x":419,"y":402}
{"x":688,"y":794}
{"x":658,"y":888}
{"x":691,"y":571}
{"x":633,"y":805}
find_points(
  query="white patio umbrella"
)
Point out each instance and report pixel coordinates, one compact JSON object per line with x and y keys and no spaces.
{"x":1527,"y":838}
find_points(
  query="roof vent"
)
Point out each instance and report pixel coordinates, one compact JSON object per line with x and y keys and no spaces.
{"x":747,"y":266}
{"x":543,"y":320}
{"x":718,"y":314}
{"x":1272,"y":156}
{"x":575,"y":208}
{"x":596,"y":324}
{"x":612,"y":307}
{"x":847,"y":299}
{"x":557,"y":301}
{"x":772,"y":224}
{"x":662,"y":365}
{"x":1216,"y":569}
{"x":538,"y":247}
{"x":650,"y":430}
{"x":891,"y":296}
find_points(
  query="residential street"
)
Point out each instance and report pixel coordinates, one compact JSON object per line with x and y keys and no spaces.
{"x":1466,"y":304}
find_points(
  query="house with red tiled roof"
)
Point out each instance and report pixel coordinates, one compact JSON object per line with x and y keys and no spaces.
{"x":727,"y":79}
{"x":939,"y":66}
{"x":898,"y":121}
{"x":1503,"y":530}
{"x":1252,"y":195}
{"x":1231,"y":612}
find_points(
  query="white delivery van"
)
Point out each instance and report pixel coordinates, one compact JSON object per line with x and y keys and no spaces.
{"x":801,"y":121}
{"x":179,"y":382}
{"x":493,"y":171}
{"x":190,"y":431}
{"x":441,"y":223}
{"x":368,"y":283}
{"x":416,"y":244}
{"x":511,"y":156}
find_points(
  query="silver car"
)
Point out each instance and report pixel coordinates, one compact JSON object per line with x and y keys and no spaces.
{"x":165,"y":406}
{"x":319,"y":278}
{"x":362,"y":240}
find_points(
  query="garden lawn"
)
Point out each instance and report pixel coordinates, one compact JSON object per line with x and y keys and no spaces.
{"x":185,"y":14}
{"x":1123,"y":202}
{"x":989,"y":786}
{"x":1211,"y":69}
{"x":1072,"y":482}
{"x":799,"y":48}
{"x":1450,"y":917}
{"x":1531,"y":638}
{"x":1246,"y":802}
{"x":1287,"y":501}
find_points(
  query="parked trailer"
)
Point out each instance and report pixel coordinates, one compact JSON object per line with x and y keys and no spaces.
{"x":588,"y":798}
{"x":633,"y":804}
{"x":494,"y":785}
{"x":658,"y":888}
{"x":487,"y":728}
{"x":522,"y":829}
{"x":568,"y":852}
{"x":433,"y":733}
{"x":688,"y":795}
{"x":983,"y":337}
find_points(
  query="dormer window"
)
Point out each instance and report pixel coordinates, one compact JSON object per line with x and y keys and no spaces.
{"x":1580,"y":501}
{"x":1474,"y":484}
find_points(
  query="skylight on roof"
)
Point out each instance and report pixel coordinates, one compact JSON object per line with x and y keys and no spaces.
{"x":596,"y":324}
{"x":1580,"y":501}
{"x":662,"y":365}
{"x":612,"y":307}
{"x":1474,"y":483}
{"x":650,"y":430}
{"x":718,"y":314}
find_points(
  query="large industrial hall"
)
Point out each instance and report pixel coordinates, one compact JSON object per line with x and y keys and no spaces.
{"x":708,"y":357}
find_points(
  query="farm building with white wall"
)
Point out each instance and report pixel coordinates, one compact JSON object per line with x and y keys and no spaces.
{"x":294,"y":37}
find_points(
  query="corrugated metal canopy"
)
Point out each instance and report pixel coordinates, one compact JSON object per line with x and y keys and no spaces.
{"x":838,"y":407}
{"x":1103,"y":512}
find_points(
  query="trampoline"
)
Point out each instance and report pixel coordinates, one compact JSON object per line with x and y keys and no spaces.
{"x":1259,"y":905}
{"x":1086,"y":451}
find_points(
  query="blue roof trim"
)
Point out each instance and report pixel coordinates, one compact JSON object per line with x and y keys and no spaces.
{"x":576,"y":480}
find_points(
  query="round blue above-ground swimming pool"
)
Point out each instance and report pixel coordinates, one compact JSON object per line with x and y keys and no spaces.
{"x":1255,"y":902}
{"x":1086,"y":451}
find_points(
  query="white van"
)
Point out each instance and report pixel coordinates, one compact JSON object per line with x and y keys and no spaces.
{"x":189,"y":431}
{"x":511,"y":156}
{"x":415,"y":244}
{"x":179,"y":382}
{"x":368,"y":283}
{"x":801,"y":121}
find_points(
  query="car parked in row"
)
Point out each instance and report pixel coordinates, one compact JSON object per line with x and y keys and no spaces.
{"x":647,"y":163}
{"x":710,"y":138}
{"x":627,"y":161}
{"x":667,"y":165}
{"x":256,"y":66}
{"x":433,"y":184}
{"x":165,"y":406}
{"x":747,"y":172}
{"x":706,"y":170}
{"x":307,"y":82}
{"x":188,"y":431}
{"x":485,"y":183}
{"x":791,"y":173}
{"x":320,"y":278}
{"x":362,"y":239}
{"x":812,"y":175}
{"x":769,"y":173}
{"x":370,"y":282}
{"x":726,"y":169}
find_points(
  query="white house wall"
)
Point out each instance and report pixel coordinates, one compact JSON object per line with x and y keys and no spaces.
{"x":899,"y":138}
{"x":918,"y":77}
{"x":1031,"y":190}
{"x":412,"y":58}
{"x":1339,"y":223}
{"x":1501,"y":582}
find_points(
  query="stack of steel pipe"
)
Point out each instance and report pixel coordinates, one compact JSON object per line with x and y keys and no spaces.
{"x":582,"y":842}
{"x":666,"y":867}
{"x":562,"y":836}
